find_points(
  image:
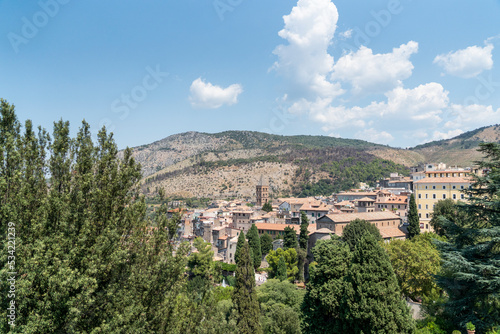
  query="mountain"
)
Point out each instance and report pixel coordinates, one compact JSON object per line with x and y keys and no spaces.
{"x":460,"y":150}
{"x":230,"y":163}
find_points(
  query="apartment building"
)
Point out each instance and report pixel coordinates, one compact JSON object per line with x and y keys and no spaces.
{"x":439,"y":185}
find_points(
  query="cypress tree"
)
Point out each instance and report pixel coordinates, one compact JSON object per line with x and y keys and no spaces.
{"x":413,"y":220}
{"x":266,"y":243}
{"x":245,"y":295}
{"x":373,"y":302}
{"x":471,"y":258}
{"x":322,"y":303}
{"x":254,"y":243}
{"x":239,"y":245}
{"x":355,"y":230}
{"x":290,"y":238}
{"x":281,"y":272}
{"x":304,"y":232}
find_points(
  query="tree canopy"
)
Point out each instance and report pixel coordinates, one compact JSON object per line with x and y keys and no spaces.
{"x":413,"y":219}
{"x":290,"y":238}
{"x":254,"y":243}
{"x":355,"y":230}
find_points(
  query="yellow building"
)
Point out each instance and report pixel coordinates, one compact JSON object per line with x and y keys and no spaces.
{"x":438,"y":185}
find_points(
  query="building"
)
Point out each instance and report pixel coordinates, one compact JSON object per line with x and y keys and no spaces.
{"x":439,"y":185}
{"x":354,"y":195}
{"x":262,"y":192}
{"x":387,"y":201}
{"x":388,"y":223}
{"x":365,"y":204}
{"x":241,"y":219}
{"x":278,"y":230}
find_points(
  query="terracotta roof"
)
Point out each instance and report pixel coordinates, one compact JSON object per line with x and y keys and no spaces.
{"x":224,"y":237}
{"x":456,"y":179}
{"x":360,"y":193}
{"x":281,"y":227}
{"x":365,"y":199}
{"x":391,"y":232}
{"x":344,"y":203}
{"x":369,"y":216}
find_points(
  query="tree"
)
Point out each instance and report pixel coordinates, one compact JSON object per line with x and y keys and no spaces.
{"x":323,"y":300}
{"x":373,"y":302}
{"x":304,"y":232}
{"x":280,"y":306}
{"x":355,"y":230}
{"x":471,"y":257}
{"x":254,"y":243}
{"x":267,"y":207}
{"x":281,"y":270}
{"x":266,"y":243}
{"x":413,"y":220}
{"x":87,"y":259}
{"x":200,"y":263}
{"x":415,"y":262}
{"x":290,"y":238}
{"x":445,"y":209}
{"x":239,"y":245}
{"x":245,"y":295}
{"x":291,"y":260}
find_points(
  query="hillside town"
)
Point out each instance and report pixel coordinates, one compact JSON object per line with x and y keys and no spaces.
{"x":385,"y":206}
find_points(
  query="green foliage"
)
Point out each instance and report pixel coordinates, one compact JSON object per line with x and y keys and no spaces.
{"x":280,"y":306}
{"x":415,"y":262}
{"x":254,"y":243}
{"x":281,"y":270}
{"x":348,"y":173}
{"x":471,"y":257}
{"x":245,"y":295}
{"x":239,"y":245}
{"x":290,"y":238}
{"x":356,"y":229}
{"x":86,"y":259}
{"x":373,"y":297}
{"x":444,"y":210}
{"x":470,"y":326}
{"x":291,"y":260}
{"x":322,"y":306}
{"x":200,"y":263}
{"x":267,"y":207}
{"x":413,"y":220}
{"x":266,"y":243}
{"x":228,"y":266}
{"x":304,"y":233}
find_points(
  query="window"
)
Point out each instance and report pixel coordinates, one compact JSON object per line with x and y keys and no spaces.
{"x":461,"y":187}
{"x":444,"y":196}
{"x":427,"y":226}
{"x":454,"y":196}
{"x":425,"y":187}
{"x":444,"y":187}
{"x":434,"y":196}
{"x":433,"y":187}
{"x":426,"y":195}
{"x":454,"y":187}
{"x":419,"y":195}
{"x":461,"y":196}
{"x":419,"y":215}
{"x":426,"y":215}
{"x":419,"y":206}
{"x":426,"y":206}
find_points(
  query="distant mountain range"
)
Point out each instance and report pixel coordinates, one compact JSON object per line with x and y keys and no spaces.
{"x":230,"y":163}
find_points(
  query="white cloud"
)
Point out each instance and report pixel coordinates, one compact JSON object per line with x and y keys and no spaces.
{"x":375,"y":73}
{"x":467,"y":63}
{"x":204,"y":95}
{"x":309,"y":30}
{"x":346,"y":34}
{"x":472,"y":116}
{"x":446,"y":135}
{"x":375,"y":136}
{"x":422,"y":105}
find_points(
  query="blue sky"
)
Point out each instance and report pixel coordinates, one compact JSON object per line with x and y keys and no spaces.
{"x":396,"y":72}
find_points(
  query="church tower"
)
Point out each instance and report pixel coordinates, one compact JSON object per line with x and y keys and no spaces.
{"x":262,"y":192}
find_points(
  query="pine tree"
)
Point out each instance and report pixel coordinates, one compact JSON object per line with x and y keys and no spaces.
{"x":471,"y":258}
{"x":290,"y":238}
{"x":281,"y":272}
{"x":239,"y":245}
{"x":373,"y":300}
{"x":413,"y":220}
{"x":266,"y":243}
{"x":245,"y":295}
{"x":254,"y":243}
